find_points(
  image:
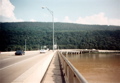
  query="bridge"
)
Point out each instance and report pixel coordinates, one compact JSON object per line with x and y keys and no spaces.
{"x":33,"y":67}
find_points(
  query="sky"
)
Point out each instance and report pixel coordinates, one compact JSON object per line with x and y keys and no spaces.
{"x":100,"y":12}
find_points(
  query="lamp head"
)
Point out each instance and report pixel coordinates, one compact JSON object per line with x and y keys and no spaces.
{"x":43,"y":7}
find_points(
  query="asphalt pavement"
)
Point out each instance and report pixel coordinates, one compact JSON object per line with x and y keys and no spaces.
{"x":11,"y":66}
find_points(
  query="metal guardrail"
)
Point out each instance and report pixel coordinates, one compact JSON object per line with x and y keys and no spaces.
{"x":71,"y":74}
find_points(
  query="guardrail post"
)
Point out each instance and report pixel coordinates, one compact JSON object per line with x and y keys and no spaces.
{"x":71,"y":75}
{"x":65,"y":69}
{"x":89,"y":51}
{"x":75,"y":80}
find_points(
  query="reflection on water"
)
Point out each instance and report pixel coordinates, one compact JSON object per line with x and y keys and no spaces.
{"x":98,"y":68}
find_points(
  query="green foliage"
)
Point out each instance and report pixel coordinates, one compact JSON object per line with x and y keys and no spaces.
{"x":67,"y":36}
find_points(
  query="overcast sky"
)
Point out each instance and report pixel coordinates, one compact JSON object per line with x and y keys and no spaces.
{"x":102,"y":12}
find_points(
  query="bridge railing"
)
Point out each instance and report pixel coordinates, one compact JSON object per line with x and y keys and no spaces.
{"x":71,"y":74}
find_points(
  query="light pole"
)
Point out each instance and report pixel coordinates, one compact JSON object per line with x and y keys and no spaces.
{"x":25,"y":44}
{"x":51,"y":12}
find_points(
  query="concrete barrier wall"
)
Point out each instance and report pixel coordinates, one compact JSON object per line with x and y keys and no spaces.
{"x":71,"y":74}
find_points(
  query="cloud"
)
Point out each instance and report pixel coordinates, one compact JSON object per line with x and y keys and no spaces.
{"x":7,"y":8}
{"x":55,"y":19}
{"x":7,"y":12}
{"x":99,"y":19}
{"x":32,"y":20}
{"x":114,"y":22}
{"x":66,"y":19}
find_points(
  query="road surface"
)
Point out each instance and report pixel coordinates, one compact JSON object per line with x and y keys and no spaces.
{"x":11,"y":66}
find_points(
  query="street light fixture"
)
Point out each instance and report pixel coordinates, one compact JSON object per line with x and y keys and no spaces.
{"x":51,"y":12}
{"x":25,"y":44}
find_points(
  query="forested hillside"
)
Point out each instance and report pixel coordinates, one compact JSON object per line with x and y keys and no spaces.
{"x":67,"y":35}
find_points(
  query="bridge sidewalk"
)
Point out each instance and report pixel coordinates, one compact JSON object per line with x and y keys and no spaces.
{"x":54,"y":73}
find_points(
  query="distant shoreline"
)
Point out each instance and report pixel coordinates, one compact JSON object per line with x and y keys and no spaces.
{"x":98,"y":51}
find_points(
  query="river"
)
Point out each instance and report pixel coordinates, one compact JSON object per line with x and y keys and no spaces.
{"x":98,"y":68}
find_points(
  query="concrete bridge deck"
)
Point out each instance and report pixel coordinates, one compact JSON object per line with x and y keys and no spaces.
{"x":29,"y":68}
{"x":61,"y":70}
{"x":54,"y":73}
{"x":33,"y":66}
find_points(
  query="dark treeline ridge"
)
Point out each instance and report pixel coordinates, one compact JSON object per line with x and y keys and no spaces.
{"x":67,"y":36}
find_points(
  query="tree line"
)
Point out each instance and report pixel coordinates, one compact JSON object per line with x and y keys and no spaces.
{"x":67,"y":36}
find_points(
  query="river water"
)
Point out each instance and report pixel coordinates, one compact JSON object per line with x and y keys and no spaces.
{"x":98,"y":68}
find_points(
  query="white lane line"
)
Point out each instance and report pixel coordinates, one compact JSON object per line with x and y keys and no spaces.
{"x":19,"y":62}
